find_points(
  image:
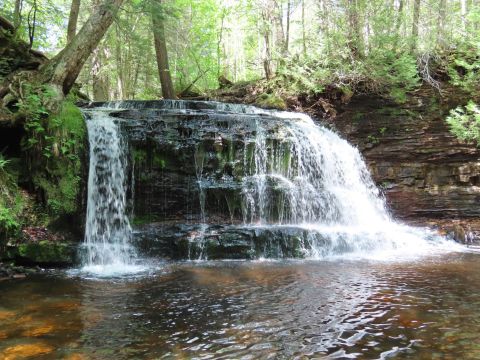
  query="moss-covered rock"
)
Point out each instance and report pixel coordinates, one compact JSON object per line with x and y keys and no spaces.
{"x":63,"y":146}
{"x":271,"y":101}
{"x":43,"y":253}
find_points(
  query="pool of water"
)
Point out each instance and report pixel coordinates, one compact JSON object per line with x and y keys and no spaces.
{"x":425,"y":308}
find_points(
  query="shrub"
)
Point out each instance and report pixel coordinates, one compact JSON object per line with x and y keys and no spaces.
{"x":464,"y":122}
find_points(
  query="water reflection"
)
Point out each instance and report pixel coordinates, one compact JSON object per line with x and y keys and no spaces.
{"x":250,"y":310}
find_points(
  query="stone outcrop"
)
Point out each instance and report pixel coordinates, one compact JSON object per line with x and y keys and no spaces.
{"x":428,"y":176}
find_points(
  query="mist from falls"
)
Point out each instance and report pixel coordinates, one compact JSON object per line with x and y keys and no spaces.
{"x":296,"y":174}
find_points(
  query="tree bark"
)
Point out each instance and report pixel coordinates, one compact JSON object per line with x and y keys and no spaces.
{"x":64,"y":68}
{"x":267,"y":67}
{"x":416,"y":18}
{"x":399,"y":17}
{"x":355,"y":32}
{"x":287,"y":31}
{"x":17,"y":14}
{"x":168,"y":91}
{"x":463,"y":13}
{"x":441,"y":24}
{"x":72,"y":20}
{"x":100,"y":83}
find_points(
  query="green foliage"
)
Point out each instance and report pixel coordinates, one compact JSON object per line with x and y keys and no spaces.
{"x":11,"y":202}
{"x":3,"y":163}
{"x":391,"y":73}
{"x":301,"y":77}
{"x":62,"y":147}
{"x":32,"y":105}
{"x":45,"y":252}
{"x":271,"y":101}
{"x":464,"y":122}
{"x":53,"y":144}
{"x":463,"y":66}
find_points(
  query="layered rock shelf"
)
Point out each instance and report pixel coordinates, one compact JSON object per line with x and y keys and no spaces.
{"x":428,"y":176}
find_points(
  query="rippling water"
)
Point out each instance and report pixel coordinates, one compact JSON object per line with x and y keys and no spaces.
{"x":282,"y":310}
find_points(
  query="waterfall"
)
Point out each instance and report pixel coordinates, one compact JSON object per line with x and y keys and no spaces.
{"x":309,"y":175}
{"x":306,"y":176}
{"x":289,"y":178}
{"x":107,"y":230}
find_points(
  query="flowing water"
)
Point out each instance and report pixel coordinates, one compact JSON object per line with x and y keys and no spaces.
{"x":295,"y":173}
{"x":107,"y":230}
{"x":425,"y":309}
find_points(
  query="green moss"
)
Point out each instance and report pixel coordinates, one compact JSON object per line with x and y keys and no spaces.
{"x":61,"y":193}
{"x":55,"y":147}
{"x":271,"y":101}
{"x":159,"y":161}
{"x":12,"y":202}
{"x":139,"y":155}
{"x":139,"y":220}
{"x":44,"y":252}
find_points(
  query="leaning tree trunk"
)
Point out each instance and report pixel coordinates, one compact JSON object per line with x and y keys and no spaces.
{"x":60,"y":72}
{"x":64,"y":68}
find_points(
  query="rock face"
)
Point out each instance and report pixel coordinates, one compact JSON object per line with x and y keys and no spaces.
{"x":428,"y":176}
{"x":188,"y":166}
{"x":231,"y":181}
{"x":180,"y":241}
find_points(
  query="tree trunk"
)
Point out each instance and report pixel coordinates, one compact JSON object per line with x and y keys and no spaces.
{"x":168,"y":91}
{"x":64,"y":68}
{"x":287,"y":31}
{"x":120,"y":93}
{"x":276,"y":8}
{"x":72,"y":20}
{"x":463,"y":12}
{"x":304,"y":42}
{"x":441,"y":23}
{"x":17,"y":14}
{"x":399,"y":17}
{"x":268,"y":57}
{"x":416,"y":18}
{"x":355,"y":31}
{"x":100,"y":83}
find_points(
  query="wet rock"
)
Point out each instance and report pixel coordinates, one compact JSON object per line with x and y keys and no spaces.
{"x":11,"y":271}
{"x":180,"y":241}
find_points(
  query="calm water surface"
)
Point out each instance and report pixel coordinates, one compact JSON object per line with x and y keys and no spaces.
{"x":423,"y":309}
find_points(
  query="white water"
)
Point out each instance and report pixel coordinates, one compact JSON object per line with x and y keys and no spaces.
{"x":302,"y":175}
{"x":107,"y":231}
{"x":310,"y":178}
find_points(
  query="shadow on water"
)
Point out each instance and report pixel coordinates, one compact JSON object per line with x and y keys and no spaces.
{"x":279,"y":309}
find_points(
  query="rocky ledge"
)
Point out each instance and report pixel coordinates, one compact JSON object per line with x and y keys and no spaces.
{"x":428,"y":176}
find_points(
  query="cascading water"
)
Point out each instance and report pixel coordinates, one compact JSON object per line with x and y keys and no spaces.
{"x":310,"y":176}
{"x":307,"y":176}
{"x":286,"y":174}
{"x":107,"y":231}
